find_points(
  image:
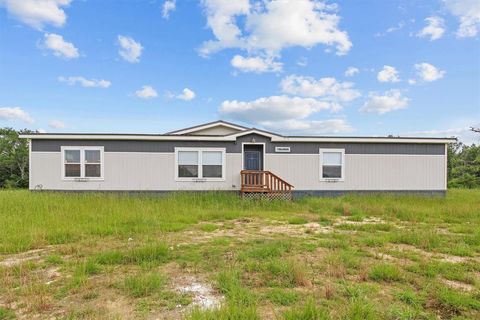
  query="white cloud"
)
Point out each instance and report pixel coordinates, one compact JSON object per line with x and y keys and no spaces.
{"x":310,"y":126}
{"x":87,"y":83}
{"x":57,"y":124}
{"x":37,"y":13}
{"x":434,"y":29}
{"x":463,"y":133}
{"x":147,"y":92}
{"x":60,"y":47}
{"x":388,"y":74}
{"x":412,"y":81}
{"x":40,"y":130}
{"x":325,"y":88}
{"x":351,"y":71}
{"x":391,"y":100}
{"x":274,"y":108}
{"x":271,"y":26}
{"x":256,"y":64}
{"x":15,"y":113}
{"x":468,"y":12}
{"x":168,"y":6}
{"x":186,"y":95}
{"x":130,"y":50}
{"x":428,"y":73}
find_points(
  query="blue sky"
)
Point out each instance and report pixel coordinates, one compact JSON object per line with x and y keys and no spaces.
{"x":156,"y":66}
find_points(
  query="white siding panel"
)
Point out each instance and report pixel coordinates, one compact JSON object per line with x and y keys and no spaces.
{"x":129,"y":171}
{"x":363,"y":172}
{"x":155,"y":171}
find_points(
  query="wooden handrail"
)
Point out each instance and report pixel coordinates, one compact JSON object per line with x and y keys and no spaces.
{"x":263,"y":181}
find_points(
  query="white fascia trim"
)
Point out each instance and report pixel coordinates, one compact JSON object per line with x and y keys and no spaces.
{"x":207,"y":126}
{"x":232,"y":138}
{"x":364,"y":140}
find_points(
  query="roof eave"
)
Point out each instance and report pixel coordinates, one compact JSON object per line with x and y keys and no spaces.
{"x":274,"y":138}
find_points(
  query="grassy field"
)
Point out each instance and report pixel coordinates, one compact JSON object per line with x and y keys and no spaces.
{"x":214,"y":256}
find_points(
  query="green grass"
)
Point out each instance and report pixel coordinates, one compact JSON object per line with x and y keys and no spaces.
{"x":307,"y":312}
{"x":143,"y":285}
{"x":111,"y":256}
{"x":6,"y":314}
{"x":282,"y":297}
{"x":385,"y":272}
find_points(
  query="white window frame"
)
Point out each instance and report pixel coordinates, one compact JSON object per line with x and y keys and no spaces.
{"x":200,"y":164}
{"x":82,"y":163}
{"x":327,"y":150}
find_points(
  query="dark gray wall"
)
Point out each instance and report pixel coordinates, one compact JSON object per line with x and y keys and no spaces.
{"x":236,"y":147}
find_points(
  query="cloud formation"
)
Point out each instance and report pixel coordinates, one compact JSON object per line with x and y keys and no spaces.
{"x":38,"y":13}
{"x":271,"y":26}
{"x":434,"y":29}
{"x":351,"y":71}
{"x":468,"y":12}
{"x":274,"y":108}
{"x":389,"y":101}
{"x":147,"y":92}
{"x":186,"y":95}
{"x":60,"y":47}
{"x":310,"y":126}
{"x":388,"y":74}
{"x":255,"y":64}
{"x":84,"y":82}
{"x":167,"y":8}
{"x":130,"y":50}
{"x":15,"y":113}
{"x":325,"y":88}
{"x":428,"y":72}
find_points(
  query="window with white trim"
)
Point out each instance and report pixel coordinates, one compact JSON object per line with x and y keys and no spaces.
{"x":82,"y":163}
{"x":332,"y":164}
{"x":200,"y":163}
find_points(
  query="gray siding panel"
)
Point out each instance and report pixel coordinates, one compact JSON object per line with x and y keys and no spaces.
{"x":236,"y":147}
{"x":131,"y":145}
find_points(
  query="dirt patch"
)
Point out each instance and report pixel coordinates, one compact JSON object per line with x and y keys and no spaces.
{"x":52,"y":274}
{"x":366,"y":220}
{"x":203,"y":295}
{"x":19,"y":258}
{"x":435,"y":255}
{"x":297,"y":229}
{"x":458,"y":285}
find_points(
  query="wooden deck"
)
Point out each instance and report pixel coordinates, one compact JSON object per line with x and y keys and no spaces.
{"x":256,"y":183}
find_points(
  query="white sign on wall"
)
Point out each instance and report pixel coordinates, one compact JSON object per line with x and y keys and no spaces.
{"x":282,"y":149}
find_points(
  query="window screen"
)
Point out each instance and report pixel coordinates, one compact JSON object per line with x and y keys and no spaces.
{"x":212,"y":164}
{"x":92,"y":164}
{"x":188,"y":164}
{"x":72,"y":163}
{"x":332,"y":165}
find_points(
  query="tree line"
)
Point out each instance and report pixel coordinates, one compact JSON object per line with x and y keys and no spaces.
{"x":463,"y":161}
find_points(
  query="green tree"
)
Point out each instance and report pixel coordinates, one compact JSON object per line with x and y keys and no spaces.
{"x":463,"y":166}
{"x":13,"y":159}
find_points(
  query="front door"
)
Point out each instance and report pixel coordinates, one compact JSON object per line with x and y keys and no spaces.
{"x":253,"y":157}
{"x":252,"y":160}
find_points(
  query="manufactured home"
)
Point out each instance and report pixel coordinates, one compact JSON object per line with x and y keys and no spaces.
{"x":229,"y":157}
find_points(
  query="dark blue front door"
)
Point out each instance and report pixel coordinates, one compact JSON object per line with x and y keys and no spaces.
{"x":252,"y":160}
